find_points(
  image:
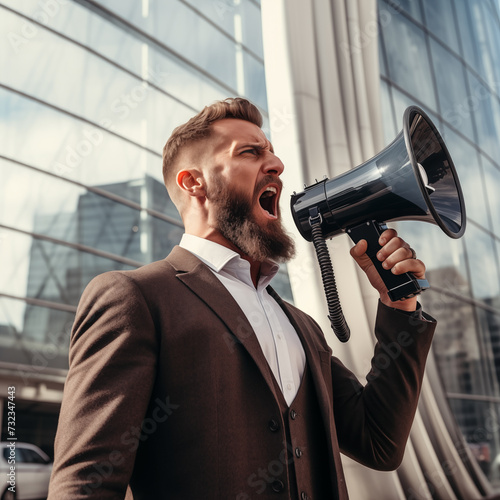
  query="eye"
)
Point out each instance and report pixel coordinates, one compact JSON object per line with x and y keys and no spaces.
{"x":252,"y":151}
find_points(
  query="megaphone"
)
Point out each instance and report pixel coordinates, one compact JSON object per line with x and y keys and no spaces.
{"x":413,"y":178}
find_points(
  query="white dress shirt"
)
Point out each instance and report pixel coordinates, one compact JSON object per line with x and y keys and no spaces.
{"x":277,"y":337}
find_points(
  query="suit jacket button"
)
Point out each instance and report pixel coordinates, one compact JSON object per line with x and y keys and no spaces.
{"x":298,"y":452}
{"x":273,"y":425}
{"x":304,"y":496}
{"x":293,"y":414}
{"x":277,"y":486}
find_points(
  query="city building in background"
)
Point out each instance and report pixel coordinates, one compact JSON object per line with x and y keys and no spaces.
{"x":91,"y":89}
{"x":89,"y":93}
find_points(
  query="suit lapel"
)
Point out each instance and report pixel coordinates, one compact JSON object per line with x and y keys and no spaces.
{"x":203,"y":283}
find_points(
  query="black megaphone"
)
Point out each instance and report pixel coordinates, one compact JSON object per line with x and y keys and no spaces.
{"x":411,"y":179}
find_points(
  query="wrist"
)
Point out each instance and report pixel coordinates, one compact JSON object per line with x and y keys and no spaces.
{"x":408,"y":305}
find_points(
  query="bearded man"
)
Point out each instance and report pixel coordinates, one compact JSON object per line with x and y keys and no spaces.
{"x":190,"y":378}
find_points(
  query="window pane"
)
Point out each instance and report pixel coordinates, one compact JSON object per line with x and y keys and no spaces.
{"x":480,"y":426}
{"x":454,"y":99}
{"x":173,"y":75}
{"x":381,"y":58}
{"x":59,"y":209}
{"x":254,"y":80}
{"x":483,"y":265}
{"x":402,"y":101}
{"x":492,"y":181}
{"x":281,"y":283}
{"x":241,"y":20}
{"x":54,"y":207}
{"x":58,"y":143}
{"x":75,"y":80}
{"x":411,"y":7}
{"x":166,"y":21}
{"x":486,"y":112}
{"x":467,"y":34}
{"x":441,"y":22}
{"x":390,"y":129}
{"x":408,"y":60}
{"x":456,"y":344}
{"x":443,"y":256}
{"x":466,"y":160}
{"x":488,"y":326}
{"x":485,"y":40}
{"x":48,"y":271}
{"x":33,"y":337}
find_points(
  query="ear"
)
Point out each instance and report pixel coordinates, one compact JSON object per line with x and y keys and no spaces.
{"x":191,"y":182}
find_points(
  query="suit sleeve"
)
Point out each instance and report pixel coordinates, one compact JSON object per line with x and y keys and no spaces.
{"x":113,"y":354}
{"x":373,"y":421}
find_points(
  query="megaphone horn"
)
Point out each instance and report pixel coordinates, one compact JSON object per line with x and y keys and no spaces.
{"x":413,"y":178}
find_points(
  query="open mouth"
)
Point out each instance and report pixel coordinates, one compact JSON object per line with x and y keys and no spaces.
{"x":268,"y":200}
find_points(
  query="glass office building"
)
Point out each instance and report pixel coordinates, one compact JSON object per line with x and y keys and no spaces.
{"x":89,"y":93}
{"x":445,"y":57}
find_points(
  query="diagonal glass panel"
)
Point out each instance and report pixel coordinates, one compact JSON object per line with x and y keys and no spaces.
{"x":466,"y":160}
{"x":407,"y":57}
{"x":483,"y":263}
{"x":177,"y":77}
{"x":61,"y":210}
{"x":47,"y":271}
{"x":33,"y":338}
{"x":492,"y":182}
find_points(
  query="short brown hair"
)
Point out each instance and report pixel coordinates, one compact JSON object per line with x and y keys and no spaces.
{"x":198,"y":128}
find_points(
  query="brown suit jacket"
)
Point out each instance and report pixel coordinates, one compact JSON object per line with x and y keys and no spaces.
{"x":168,"y":390}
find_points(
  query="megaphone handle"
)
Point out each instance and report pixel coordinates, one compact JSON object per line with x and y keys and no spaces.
{"x":399,"y":286}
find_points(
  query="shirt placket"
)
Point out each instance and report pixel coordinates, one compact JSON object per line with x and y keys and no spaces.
{"x":285,"y":381}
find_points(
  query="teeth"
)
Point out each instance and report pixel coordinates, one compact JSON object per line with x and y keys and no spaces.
{"x":270,"y":189}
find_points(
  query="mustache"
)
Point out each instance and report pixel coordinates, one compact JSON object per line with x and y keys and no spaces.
{"x":268,"y":179}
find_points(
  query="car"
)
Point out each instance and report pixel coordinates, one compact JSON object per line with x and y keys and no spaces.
{"x":30,"y":478}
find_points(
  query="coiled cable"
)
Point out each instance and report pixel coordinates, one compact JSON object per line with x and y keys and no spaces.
{"x":336,"y":316}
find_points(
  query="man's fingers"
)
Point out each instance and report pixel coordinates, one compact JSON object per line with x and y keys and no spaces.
{"x":398,"y":255}
{"x":387,"y":235}
{"x":359,"y":249}
{"x":414,"y":266}
{"x":393,"y":245}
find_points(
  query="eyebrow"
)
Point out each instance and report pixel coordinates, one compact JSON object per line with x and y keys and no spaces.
{"x":260,"y":145}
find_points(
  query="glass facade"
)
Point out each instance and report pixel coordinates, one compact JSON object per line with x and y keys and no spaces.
{"x":444,"y":56}
{"x":89,"y":93}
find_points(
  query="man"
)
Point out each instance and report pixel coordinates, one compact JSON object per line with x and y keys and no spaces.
{"x":191,"y":379}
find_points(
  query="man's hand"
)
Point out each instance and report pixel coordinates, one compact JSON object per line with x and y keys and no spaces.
{"x":395,"y":255}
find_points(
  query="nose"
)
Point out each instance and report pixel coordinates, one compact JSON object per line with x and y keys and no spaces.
{"x":273,"y":165}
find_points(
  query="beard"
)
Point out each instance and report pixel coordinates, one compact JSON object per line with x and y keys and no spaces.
{"x":235,"y":220}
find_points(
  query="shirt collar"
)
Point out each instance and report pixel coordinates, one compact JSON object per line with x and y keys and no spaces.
{"x":220,"y":258}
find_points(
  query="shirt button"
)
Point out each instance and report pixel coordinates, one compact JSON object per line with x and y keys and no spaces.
{"x":289,"y":387}
{"x":273,"y":425}
{"x":277,"y":486}
{"x":293,"y":414}
{"x":298,"y":452}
